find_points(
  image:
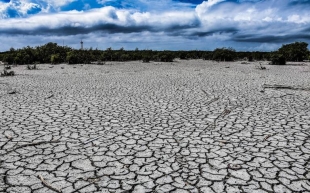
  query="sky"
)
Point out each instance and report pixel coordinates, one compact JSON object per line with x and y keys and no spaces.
{"x":245,"y":25}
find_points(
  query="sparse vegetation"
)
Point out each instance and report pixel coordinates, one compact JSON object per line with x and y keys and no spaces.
{"x":53,"y":53}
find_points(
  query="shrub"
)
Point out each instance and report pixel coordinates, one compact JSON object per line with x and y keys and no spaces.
{"x":100,"y":62}
{"x":224,"y":54}
{"x":146,"y":58}
{"x":7,"y":73}
{"x":184,"y":56}
{"x":294,"y":52}
{"x":55,"y":59}
{"x":207,"y":56}
{"x":278,"y":59}
{"x":166,"y":57}
{"x":32,"y":67}
{"x":124,"y":57}
{"x":250,"y":58}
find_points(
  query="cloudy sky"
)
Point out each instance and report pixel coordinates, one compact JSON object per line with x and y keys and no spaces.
{"x":262,"y":25}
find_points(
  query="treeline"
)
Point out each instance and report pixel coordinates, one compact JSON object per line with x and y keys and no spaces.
{"x":53,"y":53}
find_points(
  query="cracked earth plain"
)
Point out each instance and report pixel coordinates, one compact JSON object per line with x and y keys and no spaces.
{"x":186,"y":126}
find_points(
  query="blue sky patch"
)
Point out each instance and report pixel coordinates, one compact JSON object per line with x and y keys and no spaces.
{"x":190,"y":1}
{"x":34,"y":10}
{"x":12,"y":13}
{"x":81,"y":5}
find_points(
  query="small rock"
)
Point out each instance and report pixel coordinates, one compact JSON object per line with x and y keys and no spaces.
{"x":12,"y":92}
{"x":8,"y":137}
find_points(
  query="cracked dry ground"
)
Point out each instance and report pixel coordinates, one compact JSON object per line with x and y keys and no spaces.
{"x":189,"y":126}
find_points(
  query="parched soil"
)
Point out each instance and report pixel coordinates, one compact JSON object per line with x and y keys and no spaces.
{"x":186,"y":126}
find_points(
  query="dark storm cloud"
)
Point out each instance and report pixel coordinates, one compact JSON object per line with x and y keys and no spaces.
{"x":106,"y":20}
{"x":299,"y":2}
{"x":105,"y":28}
{"x":69,"y":30}
{"x":217,"y":31}
{"x":190,"y":1}
{"x":175,"y":28}
{"x":271,"y":38}
{"x":307,"y":29}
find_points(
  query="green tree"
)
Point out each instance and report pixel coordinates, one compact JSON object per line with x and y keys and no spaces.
{"x":109,"y":52}
{"x":297,"y":51}
{"x":70,"y":57}
{"x":27,"y":59}
{"x":277,"y":59}
{"x":55,"y":58}
{"x":18,"y":58}
{"x":224,"y":54}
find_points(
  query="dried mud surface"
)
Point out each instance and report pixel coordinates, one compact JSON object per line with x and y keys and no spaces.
{"x":186,"y":126}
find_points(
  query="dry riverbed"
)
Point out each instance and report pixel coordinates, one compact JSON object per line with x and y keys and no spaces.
{"x":186,"y":126}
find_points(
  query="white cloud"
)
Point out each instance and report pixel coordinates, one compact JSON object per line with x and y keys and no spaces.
{"x":3,"y":8}
{"x":53,"y":4}
{"x":25,"y":7}
{"x":262,"y":16}
{"x":59,"y":3}
{"x":105,"y":15}
{"x":103,"y":1}
{"x":21,"y":8}
{"x":210,"y":3}
{"x":214,"y":21}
